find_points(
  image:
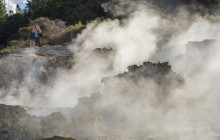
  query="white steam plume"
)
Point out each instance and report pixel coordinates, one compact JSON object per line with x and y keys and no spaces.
{"x":191,"y":111}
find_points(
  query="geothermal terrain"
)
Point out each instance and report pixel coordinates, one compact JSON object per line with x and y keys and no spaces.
{"x":144,"y":76}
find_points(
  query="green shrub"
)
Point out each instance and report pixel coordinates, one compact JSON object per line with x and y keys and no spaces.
{"x":71,"y":32}
{"x":24,"y":32}
{"x":2,"y":47}
{"x":18,"y":43}
{"x":9,"y":48}
{"x":44,"y":41}
{"x":54,"y":32}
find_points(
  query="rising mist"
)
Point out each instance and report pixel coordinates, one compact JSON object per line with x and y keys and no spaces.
{"x":182,"y":105}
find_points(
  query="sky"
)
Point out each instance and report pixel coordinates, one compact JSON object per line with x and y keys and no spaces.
{"x":11,"y":4}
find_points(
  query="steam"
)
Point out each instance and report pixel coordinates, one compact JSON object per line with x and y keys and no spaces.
{"x":192,"y":108}
{"x":135,"y":40}
{"x":188,"y":112}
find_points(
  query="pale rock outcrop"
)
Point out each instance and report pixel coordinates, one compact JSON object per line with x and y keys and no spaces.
{"x":32,"y":68}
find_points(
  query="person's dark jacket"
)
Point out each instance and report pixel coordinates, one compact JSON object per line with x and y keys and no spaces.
{"x":31,"y":35}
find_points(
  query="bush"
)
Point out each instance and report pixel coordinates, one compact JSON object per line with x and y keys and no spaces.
{"x":2,"y":47}
{"x":24,"y":32}
{"x":9,"y":48}
{"x":72,"y":32}
{"x":44,"y":41}
{"x":54,"y":32}
{"x":18,"y":44}
{"x":51,"y":30}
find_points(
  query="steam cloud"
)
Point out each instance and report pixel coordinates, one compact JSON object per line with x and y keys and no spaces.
{"x":191,"y":111}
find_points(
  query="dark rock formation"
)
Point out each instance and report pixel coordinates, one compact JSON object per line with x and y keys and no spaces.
{"x":16,"y":123}
{"x":103,"y":57}
{"x":160,"y":74}
{"x":95,"y":118}
{"x":57,"y":138}
{"x":87,"y":119}
{"x":10,"y":126}
{"x":56,"y":124}
{"x":104,"y":52}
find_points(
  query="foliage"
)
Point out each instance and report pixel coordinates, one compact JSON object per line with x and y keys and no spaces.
{"x":72,"y":31}
{"x":16,"y":26}
{"x":202,"y":6}
{"x":2,"y":47}
{"x":70,"y":11}
{"x":10,"y":26}
{"x":18,"y":9}
{"x":2,"y":9}
{"x":9,"y":48}
{"x":54,"y":32}
{"x":51,"y":29}
{"x":18,"y":44}
{"x":24,"y":32}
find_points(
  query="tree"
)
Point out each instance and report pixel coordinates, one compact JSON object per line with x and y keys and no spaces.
{"x":10,"y":26}
{"x":71,"y":11}
{"x":11,"y":12}
{"x":18,"y":9}
{"x":2,"y":9}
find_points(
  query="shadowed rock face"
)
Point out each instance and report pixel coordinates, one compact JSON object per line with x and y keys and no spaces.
{"x":161,"y":73}
{"x":104,"y":57}
{"x":103,"y":115}
{"x":57,"y":138}
{"x":9,"y":122}
{"x":155,"y":71}
{"x":158,"y":78}
{"x":32,"y":68}
{"x":16,"y":123}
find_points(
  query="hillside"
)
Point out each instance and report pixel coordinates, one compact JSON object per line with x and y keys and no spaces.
{"x":73,"y":12}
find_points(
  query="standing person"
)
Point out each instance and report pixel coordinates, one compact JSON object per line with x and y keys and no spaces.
{"x":37,"y":36}
{"x":32,"y":37}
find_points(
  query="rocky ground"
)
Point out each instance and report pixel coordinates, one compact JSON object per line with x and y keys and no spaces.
{"x":16,"y":123}
{"x":87,"y":120}
{"x":127,"y":96}
{"x":57,"y":138}
{"x":31,"y":69}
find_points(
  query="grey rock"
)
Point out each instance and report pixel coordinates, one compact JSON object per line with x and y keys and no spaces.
{"x":16,"y":123}
{"x":32,"y":67}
